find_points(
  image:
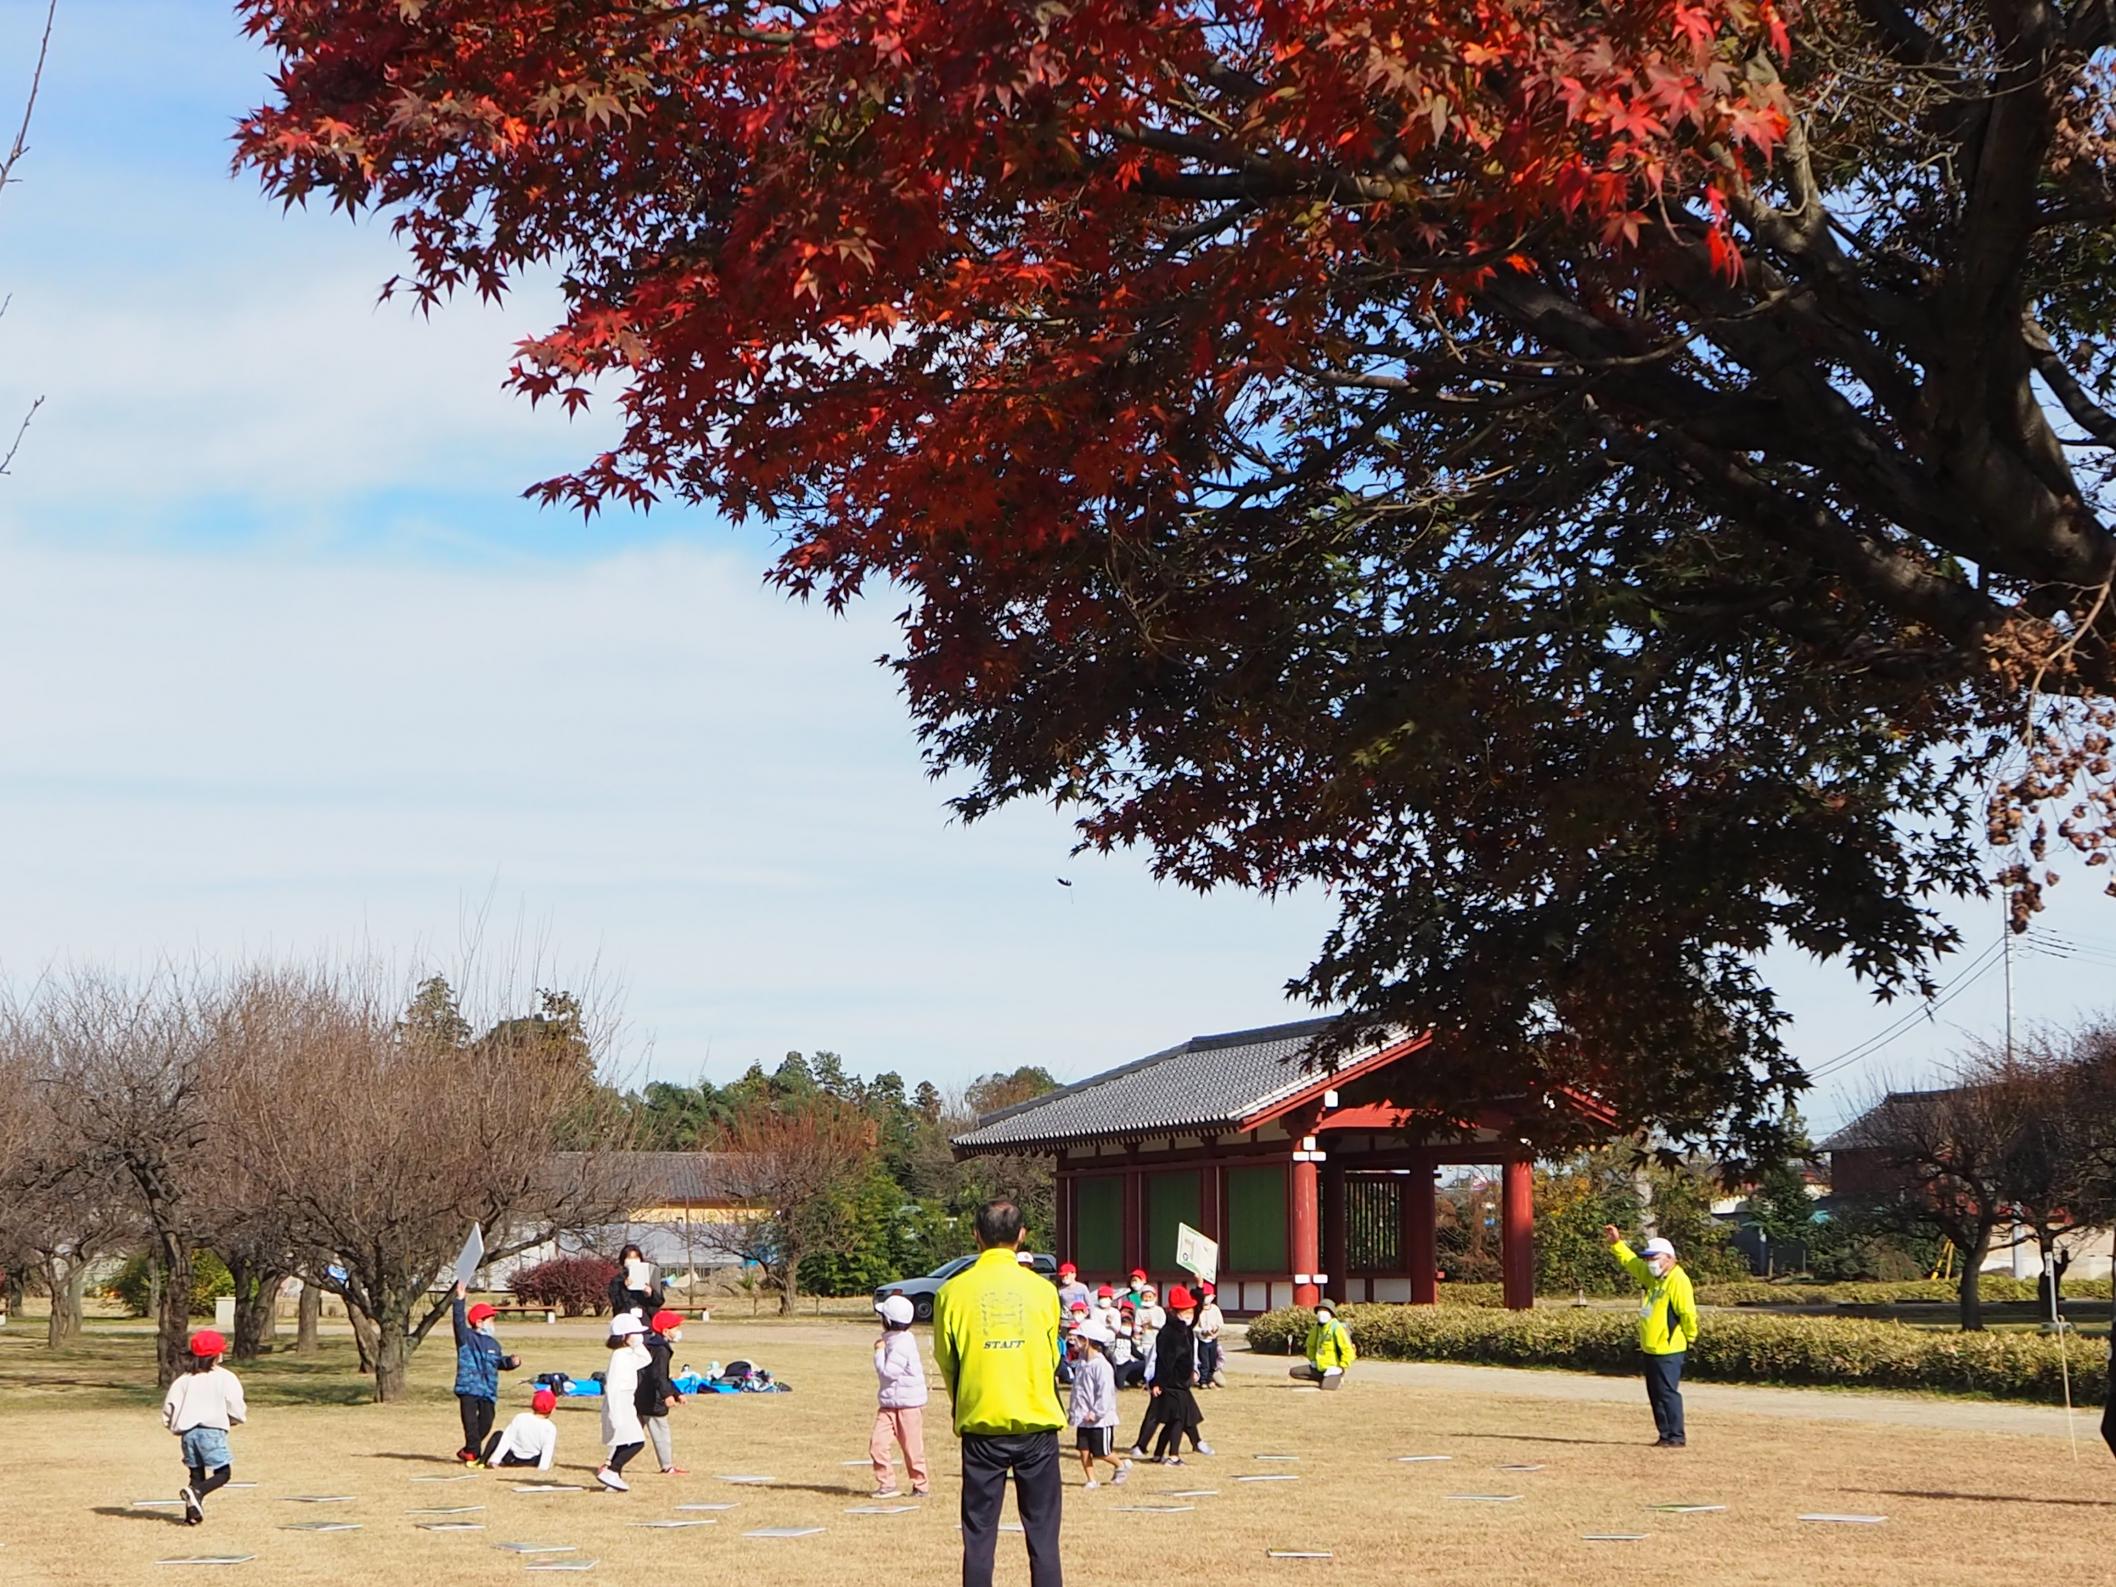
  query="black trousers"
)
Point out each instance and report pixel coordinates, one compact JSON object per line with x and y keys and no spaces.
{"x":1033,"y":1460}
{"x":1664,"y":1376}
{"x":1179,"y":1415}
{"x":477,"y":1420}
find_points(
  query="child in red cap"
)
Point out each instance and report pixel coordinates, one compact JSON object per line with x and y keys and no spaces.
{"x":479,"y":1363}
{"x":531,"y":1439}
{"x":657,"y":1388}
{"x":1070,"y":1290}
{"x":202,"y":1404}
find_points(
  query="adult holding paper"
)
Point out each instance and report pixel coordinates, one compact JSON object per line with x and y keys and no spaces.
{"x":633,"y":1288}
{"x":1667,"y":1327}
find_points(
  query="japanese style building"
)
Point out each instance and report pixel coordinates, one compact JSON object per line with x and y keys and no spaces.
{"x":1313,"y":1180}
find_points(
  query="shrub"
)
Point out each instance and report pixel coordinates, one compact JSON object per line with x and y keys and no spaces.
{"x":132,"y":1286}
{"x":1838,"y":1352}
{"x":579,"y":1286}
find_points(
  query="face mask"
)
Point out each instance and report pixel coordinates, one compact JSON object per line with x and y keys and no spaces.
{"x":674,"y":1336}
{"x":485,"y":1327}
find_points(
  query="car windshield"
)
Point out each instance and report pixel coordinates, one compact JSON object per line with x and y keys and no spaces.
{"x":950,"y":1269}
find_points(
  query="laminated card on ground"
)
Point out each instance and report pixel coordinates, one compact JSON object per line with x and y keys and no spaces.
{"x":565,"y":1564}
{"x":209,"y":1559}
{"x":785,"y":1531}
{"x":1298,"y":1553}
{"x":882,"y":1509}
{"x":1688,"y":1509}
{"x":670,"y":1526}
{"x":1845,"y":1520}
{"x":538,"y":1548}
{"x":321,"y":1526}
{"x":451,"y":1526}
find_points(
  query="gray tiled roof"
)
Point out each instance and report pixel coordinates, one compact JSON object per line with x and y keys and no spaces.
{"x":1209,"y":1082}
{"x":661,"y":1178}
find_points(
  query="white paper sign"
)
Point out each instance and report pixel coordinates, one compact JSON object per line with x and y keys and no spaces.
{"x":471,"y":1255}
{"x":1196,"y":1254}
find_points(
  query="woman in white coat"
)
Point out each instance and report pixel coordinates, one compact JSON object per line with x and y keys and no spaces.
{"x":621,"y":1431}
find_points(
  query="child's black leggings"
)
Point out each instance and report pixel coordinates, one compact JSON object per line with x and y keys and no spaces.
{"x":203,"y":1484}
{"x":477,"y":1420}
{"x":622,"y":1454}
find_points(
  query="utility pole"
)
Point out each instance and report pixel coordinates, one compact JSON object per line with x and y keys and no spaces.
{"x":2006,"y":951}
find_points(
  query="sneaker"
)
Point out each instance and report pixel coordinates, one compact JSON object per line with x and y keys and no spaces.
{"x":675,"y":1471}
{"x":1136,"y":1453}
{"x":1091,"y":1483}
{"x":921,"y":1493}
{"x":888,"y":1493}
{"x":611,"y":1480}
{"x":1123,"y":1471}
{"x":194,"y":1512}
{"x":1204,"y":1449}
{"x":466,"y":1457}
{"x":1171,"y":1460}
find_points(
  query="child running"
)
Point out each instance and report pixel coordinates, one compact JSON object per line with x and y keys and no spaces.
{"x":1093,"y":1408}
{"x":479,"y":1363}
{"x":900,"y":1402}
{"x":1175,"y":1407}
{"x":657,"y":1388}
{"x":621,"y":1433}
{"x":202,"y":1404}
{"x":531,"y":1439}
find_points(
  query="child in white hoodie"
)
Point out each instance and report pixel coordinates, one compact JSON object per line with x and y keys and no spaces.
{"x":900,"y":1402}
{"x":622,"y":1433}
{"x":202,"y":1404}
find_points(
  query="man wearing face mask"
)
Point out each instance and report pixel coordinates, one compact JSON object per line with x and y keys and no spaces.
{"x":1667,"y":1327}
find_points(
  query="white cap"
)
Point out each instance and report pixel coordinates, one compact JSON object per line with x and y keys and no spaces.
{"x":1659,"y":1247}
{"x":1095,"y":1331}
{"x":626,"y":1326}
{"x":1025,"y":1258}
{"x":895,"y":1309}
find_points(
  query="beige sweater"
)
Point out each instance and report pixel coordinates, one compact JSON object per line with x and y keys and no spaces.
{"x":204,"y":1399}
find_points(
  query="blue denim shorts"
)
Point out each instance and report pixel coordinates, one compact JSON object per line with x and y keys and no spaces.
{"x":206,"y":1449}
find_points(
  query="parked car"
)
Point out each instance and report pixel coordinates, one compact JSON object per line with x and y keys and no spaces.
{"x":921,"y":1290}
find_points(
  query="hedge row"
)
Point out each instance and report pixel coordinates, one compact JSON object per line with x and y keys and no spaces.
{"x":1756,"y":1292}
{"x":1836,"y":1352}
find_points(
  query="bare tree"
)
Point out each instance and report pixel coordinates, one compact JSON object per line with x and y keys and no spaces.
{"x":786,"y":1169}
{"x":1954,"y":1150}
{"x":385,"y":1139}
{"x":129,"y":1070}
{"x":58,"y":1212}
{"x":16,"y":149}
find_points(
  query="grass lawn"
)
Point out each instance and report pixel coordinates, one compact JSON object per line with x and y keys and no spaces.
{"x":80,"y":1440}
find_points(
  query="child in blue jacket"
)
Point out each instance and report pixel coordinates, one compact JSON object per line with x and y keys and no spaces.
{"x":479,"y":1363}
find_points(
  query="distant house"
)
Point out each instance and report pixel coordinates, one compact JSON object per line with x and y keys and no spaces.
{"x":676,"y":1219}
{"x":1862,"y":1170}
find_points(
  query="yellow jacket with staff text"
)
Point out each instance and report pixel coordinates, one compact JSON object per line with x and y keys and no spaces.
{"x":995,"y":1340}
{"x":1667,"y":1318}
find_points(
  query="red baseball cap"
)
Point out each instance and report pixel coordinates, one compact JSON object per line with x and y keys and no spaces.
{"x":665,"y":1320}
{"x":1180,"y":1299}
{"x":1106,"y":1292}
{"x":480,"y":1312}
{"x":208,"y":1343}
{"x":1138,"y":1273}
{"x":1066,"y":1269}
{"x":543,"y":1402}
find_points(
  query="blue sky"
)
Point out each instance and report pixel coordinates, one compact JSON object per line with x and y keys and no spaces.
{"x":292,"y":669}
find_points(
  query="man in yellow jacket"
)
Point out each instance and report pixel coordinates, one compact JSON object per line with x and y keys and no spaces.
{"x":995,"y":1340}
{"x":1329,"y":1349}
{"x":1667,"y":1327}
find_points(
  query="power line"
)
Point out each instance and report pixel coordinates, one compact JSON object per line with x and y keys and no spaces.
{"x":1979,"y":967}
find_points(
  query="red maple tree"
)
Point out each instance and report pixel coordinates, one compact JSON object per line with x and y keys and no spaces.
{"x":1565,"y":475}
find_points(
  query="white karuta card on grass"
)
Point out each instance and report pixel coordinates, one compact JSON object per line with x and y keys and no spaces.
{"x":881,"y":1509}
{"x":209,"y":1559}
{"x":451,"y":1526}
{"x":1298,"y":1553}
{"x":1612,"y":1537}
{"x":549,"y":1487}
{"x":1688,"y":1509}
{"x":1845,"y":1520}
{"x":784,"y":1531}
{"x":157,"y":1504}
{"x":321,"y":1526}
{"x":670,"y":1526}
{"x":318,"y":1498}
{"x":453,"y":1476}
{"x":1156,"y":1509}
{"x":1420,"y":1460}
{"x":708,"y":1506}
{"x":1195,"y":1493}
{"x":1486,"y":1498}
{"x":448,"y":1509}
{"x":1274,"y":1457}
{"x":752,"y":1481}
{"x":538,"y":1548}
{"x":565,"y":1564}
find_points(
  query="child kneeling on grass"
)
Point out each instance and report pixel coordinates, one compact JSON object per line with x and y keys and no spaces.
{"x":202,"y":1404}
{"x":1093,"y":1408}
{"x":900,"y":1402}
{"x":531,"y":1439}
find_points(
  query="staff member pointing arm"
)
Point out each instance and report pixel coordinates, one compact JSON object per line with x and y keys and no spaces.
{"x":1667,"y":1327}
{"x":995,"y":1341}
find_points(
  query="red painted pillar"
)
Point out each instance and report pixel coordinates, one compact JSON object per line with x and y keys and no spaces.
{"x":1517,"y":1225}
{"x":1334,"y":1274}
{"x":1421,"y":1214}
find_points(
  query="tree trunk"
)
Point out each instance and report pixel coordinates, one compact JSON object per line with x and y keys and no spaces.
{"x":154,"y":1284}
{"x":363,"y":1335}
{"x":256,"y":1298}
{"x":790,"y":1287}
{"x":392,"y":1359}
{"x":310,"y":1317}
{"x":172,"y":1338}
{"x":63,"y":1280}
{"x":1972,"y":1308}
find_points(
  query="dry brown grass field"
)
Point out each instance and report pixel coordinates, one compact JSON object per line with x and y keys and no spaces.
{"x":80,"y":1441}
